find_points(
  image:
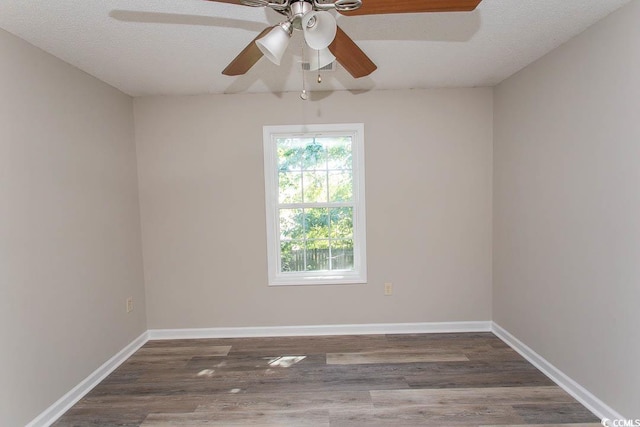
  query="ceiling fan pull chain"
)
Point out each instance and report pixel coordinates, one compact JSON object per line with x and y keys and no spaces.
{"x":303,"y":95}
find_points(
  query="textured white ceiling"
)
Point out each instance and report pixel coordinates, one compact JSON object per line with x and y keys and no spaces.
{"x":149,"y":47}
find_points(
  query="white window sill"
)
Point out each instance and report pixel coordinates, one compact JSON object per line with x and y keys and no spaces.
{"x":311,"y":281}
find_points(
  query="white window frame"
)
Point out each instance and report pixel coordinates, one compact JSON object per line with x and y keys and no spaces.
{"x":359,"y":272}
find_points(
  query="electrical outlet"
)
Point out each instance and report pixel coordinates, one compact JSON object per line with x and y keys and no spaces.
{"x":129,"y":304}
{"x":388,"y":289}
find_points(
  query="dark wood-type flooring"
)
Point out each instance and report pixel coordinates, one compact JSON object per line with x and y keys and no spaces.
{"x":470,"y":379}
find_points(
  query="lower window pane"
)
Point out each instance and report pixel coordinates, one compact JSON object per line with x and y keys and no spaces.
{"x":316,"y":223}
{"x":341,"y":223}
{"x":342,"y":255}
{"x":317,"y":255}
{"x":292,"y":256}
{"x":291,"y":224}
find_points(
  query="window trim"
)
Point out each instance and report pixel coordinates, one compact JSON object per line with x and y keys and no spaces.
{"x":359,"y":273}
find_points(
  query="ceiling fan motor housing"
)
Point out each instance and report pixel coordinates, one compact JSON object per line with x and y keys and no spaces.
{"x":298,"y":10}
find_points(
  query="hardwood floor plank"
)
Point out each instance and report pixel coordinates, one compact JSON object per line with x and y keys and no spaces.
{"x":448,"y":339}
{"x":547,"y":425}
{"x":307,"y":345}
{"x":172,"y":388}
{"x":394,"y":355}
{"x":555,"y":413}
{"x":243,"y":418}
{"x":190,"y":351}
{"x":116,"y":411}
{"x":255,"y":363}
{"x":471,"y":396}
{"x":357,"y":400}
{"x":468,"y":415}
{"x":477,"y":374}
{"x":492,"y":354}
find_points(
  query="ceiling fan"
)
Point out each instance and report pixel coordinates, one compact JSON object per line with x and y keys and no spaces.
{"x":322,"y":33}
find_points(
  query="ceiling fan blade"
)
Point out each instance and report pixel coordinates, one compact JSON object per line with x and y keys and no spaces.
{"x":247,"y":58}
{"x":378,"y":7}
{"x":350,"y":56}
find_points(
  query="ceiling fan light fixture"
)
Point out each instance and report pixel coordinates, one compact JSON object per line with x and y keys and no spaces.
{"x":320,"y":58}
{"x":319,"y":29}
{"x":274,"y":44}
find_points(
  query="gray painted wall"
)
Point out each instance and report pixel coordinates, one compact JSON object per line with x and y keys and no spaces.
{"x":70,"y":251}
{"x":428,"y":182}
{"x":567,"y":208}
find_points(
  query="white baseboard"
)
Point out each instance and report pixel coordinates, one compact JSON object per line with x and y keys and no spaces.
{"x":288,"y":331}
{"x":55,"y":411}
{"x":581,"y":394}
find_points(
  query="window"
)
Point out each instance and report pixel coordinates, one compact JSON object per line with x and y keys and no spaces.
{"x":314,"y":182}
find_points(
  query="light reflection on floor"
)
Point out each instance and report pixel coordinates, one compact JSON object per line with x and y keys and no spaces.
{"x":286,"y":361}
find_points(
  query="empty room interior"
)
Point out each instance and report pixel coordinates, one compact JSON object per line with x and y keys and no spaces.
{"x":437,"y":223}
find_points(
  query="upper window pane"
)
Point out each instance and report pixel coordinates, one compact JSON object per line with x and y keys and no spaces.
{"x":326,"y":165}
{"x":340,"y":186}
{"x":315,"y":155}
{"x":291,"y":153}
{"x":315,"y":186}
{"x":290,"y":187}
{"x":339,"y":153}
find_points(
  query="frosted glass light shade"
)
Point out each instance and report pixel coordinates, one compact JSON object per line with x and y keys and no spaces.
{"x":320,"y":58}
{"x":274,"y":44}
{"x":319,"y":29}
